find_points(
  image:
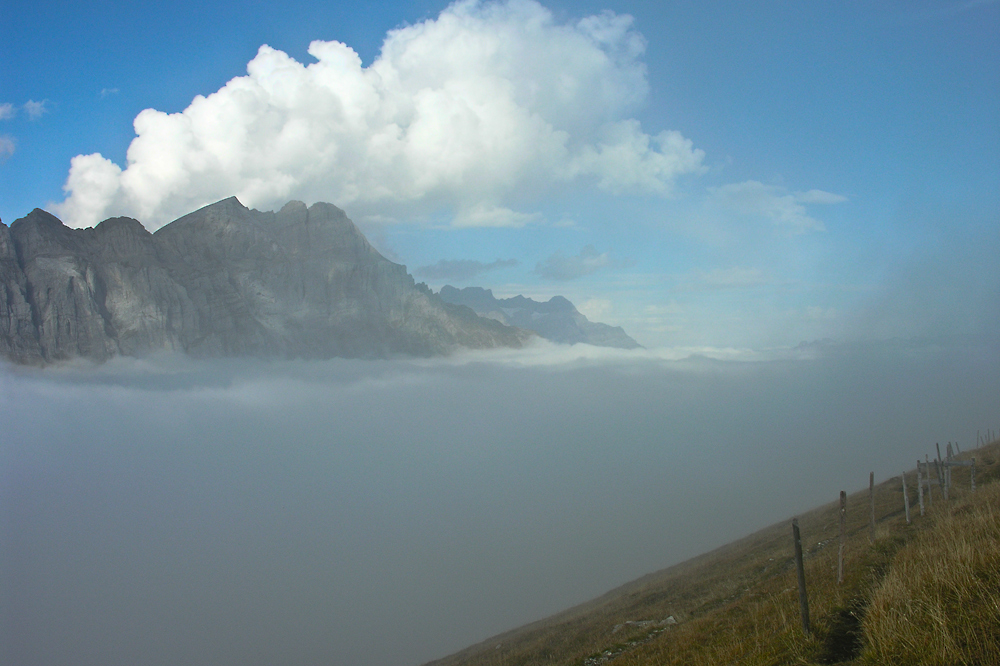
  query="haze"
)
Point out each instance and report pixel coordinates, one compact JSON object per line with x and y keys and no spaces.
{"x":387,"y":513}
{"x":724,"y":179}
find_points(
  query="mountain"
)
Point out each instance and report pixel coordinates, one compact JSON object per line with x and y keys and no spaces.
{"x":222,"y":281}
{"x":556,"y":319}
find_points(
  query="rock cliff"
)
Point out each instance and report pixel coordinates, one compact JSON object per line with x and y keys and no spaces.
{"x":556,"y":319}
{"x":222,"y":281}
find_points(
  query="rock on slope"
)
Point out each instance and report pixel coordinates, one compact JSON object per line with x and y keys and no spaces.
{"x":556,"y":319}
{"x":222,"y":281}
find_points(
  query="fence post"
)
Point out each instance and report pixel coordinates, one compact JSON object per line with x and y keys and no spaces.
{"x":927,"y":478}
{"x":972,"y":475}
{"x":920,"y":488}
{"x":941,"y":484}
{"x":800,"y":569}
{"x":906,"y":499}
{"x":843,"y":537}
{"x":947,"y":470}
{"x":871,"y":501}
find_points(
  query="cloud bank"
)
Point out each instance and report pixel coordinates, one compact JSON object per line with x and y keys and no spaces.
{"x":343,"y":512}
{"x":474,"y":112}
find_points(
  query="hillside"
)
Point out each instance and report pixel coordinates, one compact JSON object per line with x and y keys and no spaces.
{"x":923,"y":593}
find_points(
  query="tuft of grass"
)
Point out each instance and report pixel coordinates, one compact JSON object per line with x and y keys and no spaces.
{"x":940,"y":601}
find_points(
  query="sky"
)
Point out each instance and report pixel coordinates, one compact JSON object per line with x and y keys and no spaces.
{"x":706,"y":175}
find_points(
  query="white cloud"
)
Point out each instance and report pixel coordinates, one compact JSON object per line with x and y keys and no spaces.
{"x":561,"y":267}
{"x":6,"y":147}
{"x":819,"y":197}
{"x":595,"y":309}
{"x":7,"y":110}
{"x":775,"y":203}
{"x":35,"y":110}
{"x":477,"y":111}
{"x":94,"y":180}
{"x":485,"y":215}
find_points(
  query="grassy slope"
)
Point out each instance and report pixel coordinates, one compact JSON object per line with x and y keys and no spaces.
{"x":928,"y":592}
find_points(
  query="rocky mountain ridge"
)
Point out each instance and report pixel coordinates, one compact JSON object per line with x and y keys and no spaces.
{"x":557,"y":319}
{"x":222,"y":281}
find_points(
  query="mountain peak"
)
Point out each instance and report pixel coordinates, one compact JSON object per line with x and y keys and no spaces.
{"x":38,"y":217}
{"x":556,"y":319}
{"x":223,"y":280}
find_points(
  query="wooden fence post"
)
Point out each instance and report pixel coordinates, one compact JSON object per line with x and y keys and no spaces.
{"x":947,"y":470}
{"x":972,"y":475}
{"x":800,"y":569}
{"x":940,"y":469}
{"x":843,"y":537}
{"x":871,"y":501}
{"x":927,"y":474}
{"x":920,"y":488}
{"x":906,"y":499}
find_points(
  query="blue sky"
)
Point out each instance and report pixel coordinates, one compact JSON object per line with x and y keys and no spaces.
{"x":703,"y":174}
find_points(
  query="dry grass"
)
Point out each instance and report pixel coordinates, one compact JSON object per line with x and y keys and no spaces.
{"x":940,"y":602}
{"x":925,"y":593}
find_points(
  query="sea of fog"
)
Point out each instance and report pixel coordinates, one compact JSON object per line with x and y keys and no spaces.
{"x":385,"y":513}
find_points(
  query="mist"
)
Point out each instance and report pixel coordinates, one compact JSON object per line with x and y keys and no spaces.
{"x":345,"y":512}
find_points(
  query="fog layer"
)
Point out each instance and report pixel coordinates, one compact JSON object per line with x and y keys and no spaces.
{"x":387,"y":513}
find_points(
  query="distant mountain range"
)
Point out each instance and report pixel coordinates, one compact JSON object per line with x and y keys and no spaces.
{"x":556,"y":319}
{"x":229,"y":281}
{"x":222,"y":281}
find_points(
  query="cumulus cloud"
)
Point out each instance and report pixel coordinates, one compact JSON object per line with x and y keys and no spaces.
{"x":35,"y":110}
{"x":461,"y":269}
{"x":94,"y":181}
{"x":7,"y":111}
{"x":561,"y":267}
{"x":476,"y":112}
{"x":784,"y":208}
